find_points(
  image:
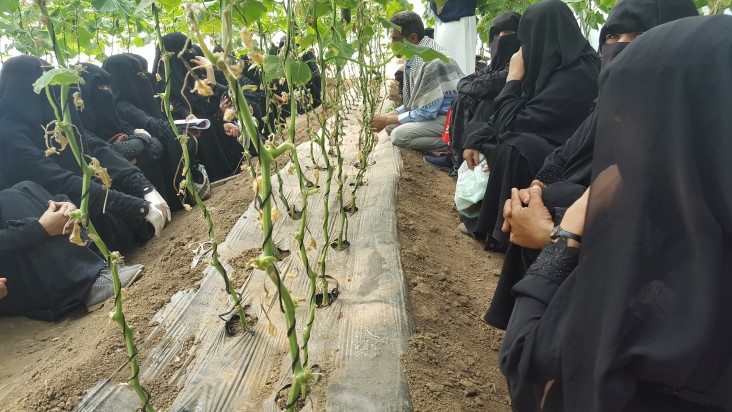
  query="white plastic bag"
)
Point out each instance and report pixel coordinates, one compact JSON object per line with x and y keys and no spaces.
{"x":470,"y":188}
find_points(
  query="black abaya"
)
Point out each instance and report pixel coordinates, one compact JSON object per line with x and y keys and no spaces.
{"x":47,"y":276}
{"x":567,"y":170}
{"x":133,"y":90}
{"x":100,"y":117}
{"x":23,"y":113}
{"x":537,"y":114}
{"x":220,"y":154}
{"x":645,"y":313}
{"x":477,"y":91}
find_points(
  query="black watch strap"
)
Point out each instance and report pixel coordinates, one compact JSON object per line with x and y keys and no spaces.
{"x":559,"y":232}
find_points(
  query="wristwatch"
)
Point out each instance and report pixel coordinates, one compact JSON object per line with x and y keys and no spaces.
{"x":559,"y":232}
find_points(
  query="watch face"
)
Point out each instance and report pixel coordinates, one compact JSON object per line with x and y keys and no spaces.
{"x":555,"y":232}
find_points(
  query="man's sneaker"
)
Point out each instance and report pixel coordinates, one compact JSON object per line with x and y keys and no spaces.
{"x":103,"y":287}
{"x":443,"y":163}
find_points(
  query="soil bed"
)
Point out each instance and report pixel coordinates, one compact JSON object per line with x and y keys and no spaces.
{"x":452,"y":362}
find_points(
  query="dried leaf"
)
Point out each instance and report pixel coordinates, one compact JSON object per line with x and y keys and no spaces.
{"x":78,"y":101}
{"x":202,"y":87}
{"x":257,"y":57}
{"x":313,"y":244}
{"x":246,"y":38}
{"x":101,"y":173}
{"x":276,"y":214}
{"x":75,"y":236}
{"x":229,"y":115}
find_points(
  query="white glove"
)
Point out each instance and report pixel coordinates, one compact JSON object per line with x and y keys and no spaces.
{"x":155,"y":218}
{"x":159,"y":203}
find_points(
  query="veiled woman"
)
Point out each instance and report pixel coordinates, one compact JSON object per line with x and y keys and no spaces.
{"x":219,"y":153}
{"x":636,"y":315}
{"x":549,"y":91}
{"x":121,"y":215}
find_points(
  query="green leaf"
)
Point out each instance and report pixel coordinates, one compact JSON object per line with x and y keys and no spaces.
{"x":143,"y":7}
{"x":408,"y":50}
{"x":323,"y":9}
{"x":251,"y":11}
{"x":56,"y":77}
{"x":9,"y":6}
{"x":273,"y":68}
{"x":297,"y":72}
{"x":106,"y":6}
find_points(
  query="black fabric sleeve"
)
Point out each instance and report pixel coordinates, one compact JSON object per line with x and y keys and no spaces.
{"x":127,"y":128}
{"x":554,"y":113}
{"x":556,"y":162}
{"x":509,"y":104}
{"x":478,"y":136}
{"x":20,"y":234}
{"x":180,"y":108}
{"x":29,"y":163}
{"x":125,"y":176}
{"x":485,"y":84}
{"x":529,"y":355}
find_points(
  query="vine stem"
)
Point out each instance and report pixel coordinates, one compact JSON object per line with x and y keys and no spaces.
{"x":183,"y":140}
{"x":267,"y":154}
{"x":64,"y":122}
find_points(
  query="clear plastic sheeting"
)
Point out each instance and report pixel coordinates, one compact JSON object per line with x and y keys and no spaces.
{"x":357,"y":342}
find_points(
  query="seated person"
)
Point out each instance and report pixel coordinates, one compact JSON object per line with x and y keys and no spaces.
{"x":48,"y":275}
{"x":99,"y":116}
{"x":220,"y":154}
{"x":476,"y":92}
{"x":567,"y":171}
{"x":133,"y":88}
{"x":551,"y":84}
{"x":628,"y":308}
{"x":429,"y":89}
{"x":120,"y":216}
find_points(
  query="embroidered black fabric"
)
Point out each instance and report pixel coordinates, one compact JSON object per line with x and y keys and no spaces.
{"x":556,"y":261}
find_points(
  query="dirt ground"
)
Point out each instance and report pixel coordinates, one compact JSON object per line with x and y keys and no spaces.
{"x":452,"y":362}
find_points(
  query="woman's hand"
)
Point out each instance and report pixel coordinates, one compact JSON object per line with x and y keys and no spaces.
{"x":55,"y":220}
{"x":230,"y":129}
{"x":574,"y":218}
{"x":530,"y":226}
{"x":3,"y":288}
{"x":472,"y":157}
{"x":516,"y":68}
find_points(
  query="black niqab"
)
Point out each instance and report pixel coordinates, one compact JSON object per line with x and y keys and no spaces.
{"x":550,"y":39}
{"x":649,"y":300}
{"x":99,"y":114}
{"x":181,"y":82}
{"x":651,"y":297}
{"x":639,"y":16}
{"x":132,"y":82}
{"x":503,"y":47}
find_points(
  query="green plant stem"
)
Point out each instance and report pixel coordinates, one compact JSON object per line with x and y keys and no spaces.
{"x":183,"y":140}
{"x":111,"y":257}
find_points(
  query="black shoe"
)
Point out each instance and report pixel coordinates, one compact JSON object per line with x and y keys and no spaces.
{"x":443,"y":163}
{"x":453,"y":172}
